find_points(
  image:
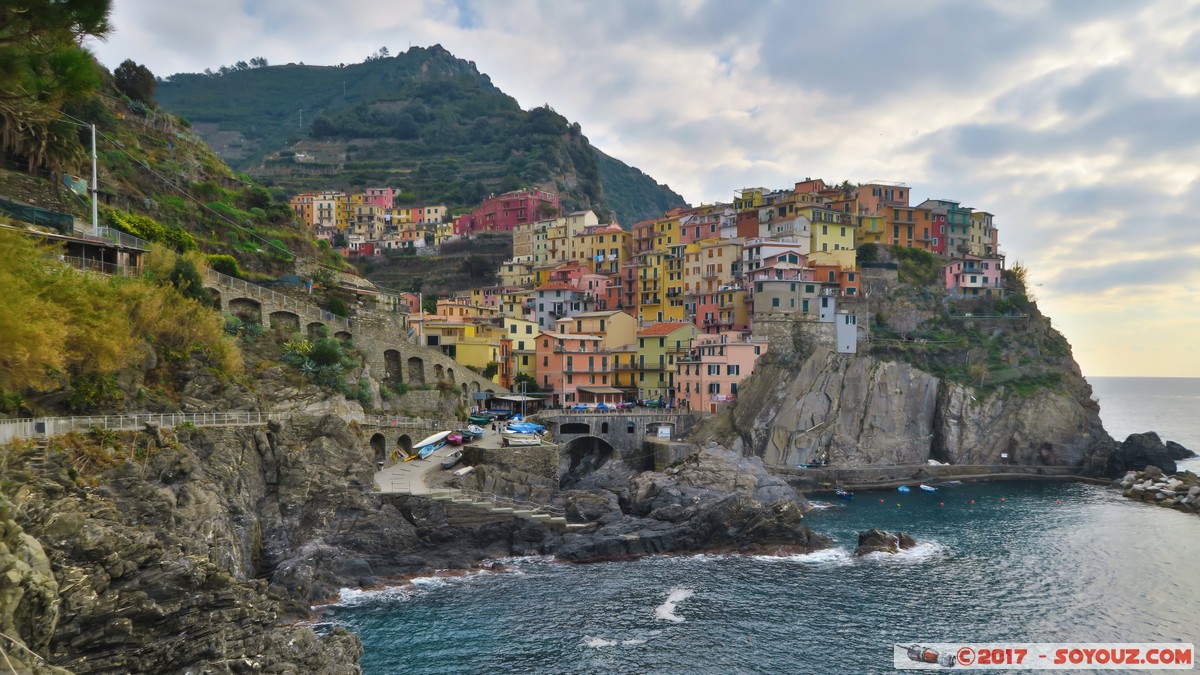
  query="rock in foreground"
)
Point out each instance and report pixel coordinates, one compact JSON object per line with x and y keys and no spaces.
{"x":1180,"y":491}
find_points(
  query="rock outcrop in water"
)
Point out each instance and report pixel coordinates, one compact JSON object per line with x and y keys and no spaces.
{"x":1140,"y":451}
{"x":1152,"y":485}
{"x":880,"y":541}
{"x":713,"y":500}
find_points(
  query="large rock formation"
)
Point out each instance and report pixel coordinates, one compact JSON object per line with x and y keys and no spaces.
{"x":713,"y":500}
{"x":1146,"y":449}
{"x":859,"y":411}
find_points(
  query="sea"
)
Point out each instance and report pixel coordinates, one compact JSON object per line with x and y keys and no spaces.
{"x":997,"y":562}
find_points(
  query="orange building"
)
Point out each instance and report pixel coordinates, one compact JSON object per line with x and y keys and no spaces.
{"x":575,"y":368}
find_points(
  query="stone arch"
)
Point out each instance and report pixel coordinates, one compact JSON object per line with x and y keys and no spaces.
{"x":439,"y":373}
{"x":475,"y":387}
{"x":285,"y":320}
{"x":416,"y":370}
{"x":450,"y":375}
{"x":404,"y":443}
{"x":215,"y":294}
{"x":604,"y":427}
{"x":581,"y":456}
{"x":317,"y":331}
{"x":490,"y":391}
{"x":392,"y":367}
{"x":574,"y":428}
{"x":378,"y":448}
{"x":344,"y":336}
{"x":246,"y":309}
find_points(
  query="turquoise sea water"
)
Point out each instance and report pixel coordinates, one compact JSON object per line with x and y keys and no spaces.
{"x":1026,"y":562}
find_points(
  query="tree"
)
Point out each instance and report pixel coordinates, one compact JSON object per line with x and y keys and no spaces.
{"x":258,"y":62}
{"x":42,"y":70}
{"x":530,"y":382}
{"x":135,"y":81}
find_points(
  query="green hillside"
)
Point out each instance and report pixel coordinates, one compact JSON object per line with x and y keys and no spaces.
{"x":424,"y":121}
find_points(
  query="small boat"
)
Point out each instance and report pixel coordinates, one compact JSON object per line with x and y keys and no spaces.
{"x":428,"y":445}
{"x":471,"y":433}
{"x":455,"y":439}
{"x":521,"y":439}
{"x":428,"y":450}
{"x":464,"y":471}
{"x":903,"y":489}
{"x":844,"y":494}
{"x":480,"y":419}
{"x":928,"y":488}
{"x":451,"y":459}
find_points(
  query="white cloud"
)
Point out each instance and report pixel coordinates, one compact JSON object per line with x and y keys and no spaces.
{"x":1071,"y":121}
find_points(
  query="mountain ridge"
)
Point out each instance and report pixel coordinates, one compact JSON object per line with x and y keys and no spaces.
{"x":424,"y":121}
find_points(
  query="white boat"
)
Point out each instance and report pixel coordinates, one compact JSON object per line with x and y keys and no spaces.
{"x":522,"y":439}
{"x":928,"y":488}
{"x":439,"y":436}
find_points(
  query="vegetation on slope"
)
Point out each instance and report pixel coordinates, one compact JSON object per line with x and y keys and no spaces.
{"x":424,"y":121}
{"x":66,"y":331}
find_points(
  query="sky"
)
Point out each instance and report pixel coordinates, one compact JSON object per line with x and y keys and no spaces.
{"x":1075,"y":122}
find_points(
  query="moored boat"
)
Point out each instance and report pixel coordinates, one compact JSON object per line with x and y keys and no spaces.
{"x":844,"y":494}
{"x":428,"y":445}
{"x":928,"y":488}
{"x":451,"y":459}
{"x":521,"y":439}
{"x":904,"y":489}
{"x":480,"y":419}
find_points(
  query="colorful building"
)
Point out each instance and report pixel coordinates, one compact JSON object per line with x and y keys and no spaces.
{"x":975,"y":276}
{"x":568,"y":363}
{"x":708,"y":376}
{"x":504,"y":212}
{"x":659,"y":347}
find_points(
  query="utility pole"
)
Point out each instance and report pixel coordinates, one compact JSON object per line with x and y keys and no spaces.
{"x":95,"y":189}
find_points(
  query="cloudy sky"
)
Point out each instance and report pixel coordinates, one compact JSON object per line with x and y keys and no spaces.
{"x":1075,"y":122}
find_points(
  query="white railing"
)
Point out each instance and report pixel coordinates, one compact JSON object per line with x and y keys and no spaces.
{"x":39,"y":427}
{"x":280,"y":299}
{"x":393,"y":421}
{"x":92,"y":265}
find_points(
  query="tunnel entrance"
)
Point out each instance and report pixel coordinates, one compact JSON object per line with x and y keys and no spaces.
{"x":582,"y":456}
{"x":378,"y":449}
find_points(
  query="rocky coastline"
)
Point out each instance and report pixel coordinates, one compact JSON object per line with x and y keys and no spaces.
{"x":1178,"y":491}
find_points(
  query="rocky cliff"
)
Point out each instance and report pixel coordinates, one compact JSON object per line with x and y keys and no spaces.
{"x":861,"y":411}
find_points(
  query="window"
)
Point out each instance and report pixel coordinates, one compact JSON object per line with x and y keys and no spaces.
{"x":521,"y":345}
{"x":546,"y":361}
{"x":525,"y":360}
{"x":569,"y":379}
{"x":714,"y":388}
{"x":774,"y":302}
{"x":662,"y":342}
{"x":733,"y":370}
{"x":714,"y":369}
{"x":512,"y":328}
{"x":529,"y":329}
{"x":803,"y":308}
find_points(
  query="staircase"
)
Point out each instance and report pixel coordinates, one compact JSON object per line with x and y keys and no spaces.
{"x":504,"y":506}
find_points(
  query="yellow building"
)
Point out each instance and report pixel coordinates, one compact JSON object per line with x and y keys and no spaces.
{"x":523,"y":335}
{"x":872,"y":230}
{"x":603,"y":249}
{"x":515,"y":273}
{"x":659,"y":347}
{"x":710,"y":264}
{"x":478,"y":353}
{"x":667,"y":234}
{"x":832,"y":238}
{"x":517,"y":305}
{"x":651,"y":289}
{"x":749,"y":198}
{"x":442,"y":232}
{"x":615,"y":327}
{"x":625,"y":368}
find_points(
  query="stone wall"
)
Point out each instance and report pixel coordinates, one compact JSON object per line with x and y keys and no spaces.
{"x":626,"y":433}
{"x":667,"y":453}
{"x":541,"y":460}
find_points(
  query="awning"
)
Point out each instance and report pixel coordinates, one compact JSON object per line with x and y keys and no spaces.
{"x":601,"y":390}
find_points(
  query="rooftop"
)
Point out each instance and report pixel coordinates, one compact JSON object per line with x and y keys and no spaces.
{"x":665,"y":328}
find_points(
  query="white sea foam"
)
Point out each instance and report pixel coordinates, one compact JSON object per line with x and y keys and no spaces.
{"x":828,"y":556}
{"x":634,"y":641}
{"x":666,"y":611}
{"x":923,"y":551}
{"x":821,"y":506}
{"x":349,"y":597}
{"x":597,"y":642}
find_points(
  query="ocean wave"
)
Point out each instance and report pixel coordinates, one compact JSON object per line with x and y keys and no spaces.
{"x":597,"y":642}
{"x":634,"y":641}
{"x":828,"y":556}
{"x":666,"y":611}
{"x":351,"y":597}
{"x":821,"y":506}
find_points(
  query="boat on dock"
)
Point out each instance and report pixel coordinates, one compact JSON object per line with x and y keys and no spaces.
{"x":451,"y":459}
{"x":521,"y":439}
{"x":429,"y":445}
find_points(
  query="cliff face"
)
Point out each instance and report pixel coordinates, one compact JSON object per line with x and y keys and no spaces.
{"x":200,"y":551}
{"x":859,"y":411}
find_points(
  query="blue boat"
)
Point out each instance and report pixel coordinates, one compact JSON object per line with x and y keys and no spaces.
{"x":903,"y":489}
{"x":844,"y":494}
{"x":428,"y":450}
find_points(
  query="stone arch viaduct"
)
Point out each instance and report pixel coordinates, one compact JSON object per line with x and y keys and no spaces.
{"x":625,"y":432}
{"x":383,"y":338}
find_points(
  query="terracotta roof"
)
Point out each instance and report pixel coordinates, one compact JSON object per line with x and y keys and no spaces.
{"x":663,"y":329}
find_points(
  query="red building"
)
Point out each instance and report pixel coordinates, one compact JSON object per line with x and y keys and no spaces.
{"x":502,"y":213}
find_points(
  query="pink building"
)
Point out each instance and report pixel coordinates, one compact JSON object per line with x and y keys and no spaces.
{"x":574,"y":368}
{"x":975,"y":276}
{"x":504,"y":212}
{"x":382,"y":197}
{"x":708,"y":377}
